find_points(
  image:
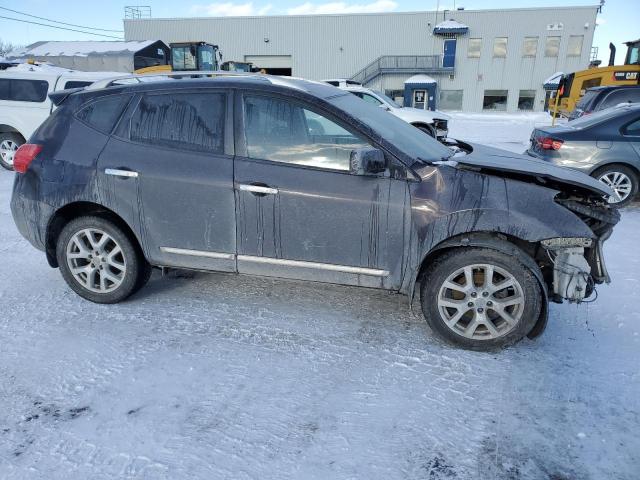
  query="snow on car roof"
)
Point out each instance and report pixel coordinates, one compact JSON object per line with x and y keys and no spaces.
{"x":74,"y":49}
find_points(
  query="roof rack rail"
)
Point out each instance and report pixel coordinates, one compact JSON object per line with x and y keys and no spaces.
{"x":149,"y":77}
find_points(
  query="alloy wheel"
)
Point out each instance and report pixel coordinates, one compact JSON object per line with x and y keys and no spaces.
{"x":96,"y":260}
{"x":481,"y":302}
{"x":619,"y":183}
{"x":7,"y":151}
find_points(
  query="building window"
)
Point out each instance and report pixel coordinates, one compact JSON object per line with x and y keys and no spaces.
{"x":450,"y":100}
{"x":552,"y":47}
{"x":500,"y":47}
{"x":495,"y":100}
{"x":574,"y":49}
{"x":473,"y":50}
{"x":526,"y":99}
{"x":530,"y":47}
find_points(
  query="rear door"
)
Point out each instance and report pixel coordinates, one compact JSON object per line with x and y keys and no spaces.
{"x":171,"y":165}
{"x":300,"y":212}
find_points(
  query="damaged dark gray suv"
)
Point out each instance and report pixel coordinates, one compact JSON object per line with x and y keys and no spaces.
{"x":288,"y":178}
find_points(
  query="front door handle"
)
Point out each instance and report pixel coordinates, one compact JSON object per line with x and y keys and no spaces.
{"x":258,"y":189}
{"x":118,"y":172}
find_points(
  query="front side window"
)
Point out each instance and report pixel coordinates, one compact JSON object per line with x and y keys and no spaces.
{"x":190,"y":121}
{"x":371,"y":99}
{"x":530,"y":47}
{"x":552,"y":47}
{"x":500,"y":47}
{"x":282,"y":131}
{"x":574,"y":47}
{"x":183,"y":58}
{"x":103,"y":113}
{"x":495,"y":100}
{"x":19,"y":90}
{"x":473,"y":50}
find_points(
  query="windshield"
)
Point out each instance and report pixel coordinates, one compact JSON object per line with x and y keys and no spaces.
{"x":584,"y":101}
{"x":389,"y":100}
{"x":405,"y":137}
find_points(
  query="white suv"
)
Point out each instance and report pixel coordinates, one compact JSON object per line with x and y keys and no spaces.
{"x":24,"y":101}
{"x":433,"y":123}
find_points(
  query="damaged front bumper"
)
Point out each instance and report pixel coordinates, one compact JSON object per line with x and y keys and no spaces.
{"x":578,"y":263}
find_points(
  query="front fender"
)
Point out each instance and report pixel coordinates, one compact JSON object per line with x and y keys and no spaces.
{"x":449,"y":203}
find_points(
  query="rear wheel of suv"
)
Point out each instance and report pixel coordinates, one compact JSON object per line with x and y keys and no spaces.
{"x":622,"y":180}
{"x":480,"y":299}
{"x":9,"y":143}
{"x":99,"y":261}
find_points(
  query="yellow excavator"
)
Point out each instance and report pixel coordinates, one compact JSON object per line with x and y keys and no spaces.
{"x":573,"y":85}
{"x":188,"y":56}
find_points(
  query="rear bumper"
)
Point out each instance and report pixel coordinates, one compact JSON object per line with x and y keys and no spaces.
{"x":31,"y":216}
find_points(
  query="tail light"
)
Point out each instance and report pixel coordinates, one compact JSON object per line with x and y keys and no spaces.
{"x":24,"y":156}
{"x":548,"y":143}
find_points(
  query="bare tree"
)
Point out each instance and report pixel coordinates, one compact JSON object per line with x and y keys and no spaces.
{"x":6,"y":47}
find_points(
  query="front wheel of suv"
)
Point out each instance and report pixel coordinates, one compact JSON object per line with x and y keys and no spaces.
{"x":480,"y":299}
{"x":622,"y":180}
{"x":99,"y":261}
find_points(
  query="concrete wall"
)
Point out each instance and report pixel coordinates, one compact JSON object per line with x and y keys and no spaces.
{"x":329,"y":46}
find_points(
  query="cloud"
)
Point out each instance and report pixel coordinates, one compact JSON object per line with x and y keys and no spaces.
{"x":600,"y":21}
{"x":342,"y":7}
{"x":229,"y":9}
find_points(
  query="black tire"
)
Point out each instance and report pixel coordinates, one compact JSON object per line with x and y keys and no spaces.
{"x":428,"y":129}
{"x":13,"y":137}
{"x":133,"y":278}
{"x":629,"y":172}
{"x":524,"y":318}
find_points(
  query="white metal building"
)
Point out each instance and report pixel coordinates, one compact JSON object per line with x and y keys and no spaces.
{"x":480,"y":59}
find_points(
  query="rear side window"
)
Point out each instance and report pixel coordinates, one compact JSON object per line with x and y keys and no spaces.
{"x":633,"y":128}
{"x":19,"y":90}
{"x":621,"y":96}
{"x":103,"y":113}
{"x":76,"y":84}
{"x":192,"y":121}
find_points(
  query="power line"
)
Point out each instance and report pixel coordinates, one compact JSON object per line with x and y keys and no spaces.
{"x":56,"y":21}
{"x":61,"y":28}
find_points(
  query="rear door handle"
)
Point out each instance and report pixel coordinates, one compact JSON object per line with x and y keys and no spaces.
{"x":118,"y":172}
{"x":258,"y":189}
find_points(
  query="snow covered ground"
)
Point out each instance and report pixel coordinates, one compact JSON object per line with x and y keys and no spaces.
{"x":218,"y":376}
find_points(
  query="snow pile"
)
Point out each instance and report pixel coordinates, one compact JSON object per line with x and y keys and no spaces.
{"x":78,"y":49}
{"x":421,"y":78}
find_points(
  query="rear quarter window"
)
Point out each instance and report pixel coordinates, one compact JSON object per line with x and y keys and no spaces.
{"x":76,"y":84}
{"x":23,"y":90}
{"x":103,"y":113}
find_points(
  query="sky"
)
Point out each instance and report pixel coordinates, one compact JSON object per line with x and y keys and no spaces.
{"x":618,"y":22}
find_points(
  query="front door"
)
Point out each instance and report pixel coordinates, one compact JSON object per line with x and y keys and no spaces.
{"x":419,"y":99}
{"x":300,"y":213}
{"x":449,"y":53}
{"x":172,"y":165}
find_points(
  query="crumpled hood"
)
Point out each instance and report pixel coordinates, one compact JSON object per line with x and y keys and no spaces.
{"x":502,"y":160}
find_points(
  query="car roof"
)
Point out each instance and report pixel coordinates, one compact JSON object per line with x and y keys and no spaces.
{"x":183,"y":80}
{"x":603,"y":88}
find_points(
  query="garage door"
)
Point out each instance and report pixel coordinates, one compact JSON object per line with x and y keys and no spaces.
{"x":269,"y":61}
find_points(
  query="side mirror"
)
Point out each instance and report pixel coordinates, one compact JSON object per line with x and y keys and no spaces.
{"x":367,"y":161}
{"x":384,"y":107}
